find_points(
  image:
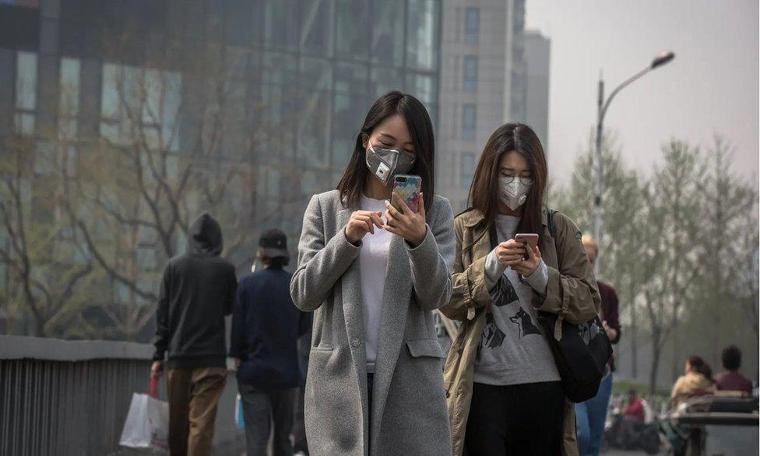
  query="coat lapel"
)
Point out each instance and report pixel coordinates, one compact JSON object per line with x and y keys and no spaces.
{"x":396,"y":298}
{"x":351,"y":292}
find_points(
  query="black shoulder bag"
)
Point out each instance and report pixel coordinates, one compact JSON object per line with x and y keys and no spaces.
{"x":581,"y":353}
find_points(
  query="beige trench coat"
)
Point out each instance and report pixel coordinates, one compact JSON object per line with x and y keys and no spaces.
{"x":571,"y":292}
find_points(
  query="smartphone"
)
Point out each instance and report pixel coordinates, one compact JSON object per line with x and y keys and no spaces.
{"x":408,"y":187}
{"x":530,"y":239}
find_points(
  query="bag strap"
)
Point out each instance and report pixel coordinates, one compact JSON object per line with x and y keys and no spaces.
{"x":553,"y":233}
{"x":550,"y":222}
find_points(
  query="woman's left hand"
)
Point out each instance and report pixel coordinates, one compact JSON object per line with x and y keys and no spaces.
{"x":401,"y":220}
{"x":526,"y":268}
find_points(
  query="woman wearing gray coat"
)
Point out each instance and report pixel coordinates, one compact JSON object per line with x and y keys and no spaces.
{"x":373,"y":271}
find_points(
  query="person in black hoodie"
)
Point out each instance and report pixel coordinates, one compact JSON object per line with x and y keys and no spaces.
{"x":197,"y":292}
{"x":266,"y":326}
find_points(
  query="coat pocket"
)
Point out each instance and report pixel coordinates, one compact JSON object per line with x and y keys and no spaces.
{"x":424,"y":348}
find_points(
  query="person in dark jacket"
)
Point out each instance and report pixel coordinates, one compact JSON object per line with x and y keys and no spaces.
{"x":266,"y":326}
{"x":591,"y":414}
{"x":197,"y":292}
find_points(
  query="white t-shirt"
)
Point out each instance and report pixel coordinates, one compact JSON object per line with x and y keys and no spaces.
{"x":373,"y":264}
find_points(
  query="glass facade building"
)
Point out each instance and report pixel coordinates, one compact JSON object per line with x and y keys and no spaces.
{"x":298,"y":78}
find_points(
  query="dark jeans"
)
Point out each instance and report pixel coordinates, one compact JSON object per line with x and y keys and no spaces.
{"x":590,"y":417}
{"x":299,"y":427}
{"x":261,"y":408}
{"x":521,"y":420}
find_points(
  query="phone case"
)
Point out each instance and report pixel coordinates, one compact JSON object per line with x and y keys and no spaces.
{"x":409,"y":188}
{"x":528,"y":238}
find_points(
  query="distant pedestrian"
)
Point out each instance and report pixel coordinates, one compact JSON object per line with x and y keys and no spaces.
{"x":197,"y":291}
{"x":731,"y":379}
{"x":266,"y":326}
{"x":591,"y":415}
{"x":635,"y":407}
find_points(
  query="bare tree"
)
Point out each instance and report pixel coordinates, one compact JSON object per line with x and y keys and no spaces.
{"x":37,"y":237}
{"x":171,"y":144}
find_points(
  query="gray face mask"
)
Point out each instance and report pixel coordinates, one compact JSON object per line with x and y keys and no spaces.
{"x":513,"y":190}
{"x":386,"y":163}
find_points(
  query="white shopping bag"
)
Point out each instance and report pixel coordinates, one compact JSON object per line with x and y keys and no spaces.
{"x":147,"y":424}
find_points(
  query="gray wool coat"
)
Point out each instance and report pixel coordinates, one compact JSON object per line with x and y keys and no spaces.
{"x":409,"y":415}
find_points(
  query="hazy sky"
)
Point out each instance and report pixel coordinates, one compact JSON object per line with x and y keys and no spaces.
{"x":711,"y":86}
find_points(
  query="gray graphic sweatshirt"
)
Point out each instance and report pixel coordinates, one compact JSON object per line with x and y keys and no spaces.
{"x":513,"y":349}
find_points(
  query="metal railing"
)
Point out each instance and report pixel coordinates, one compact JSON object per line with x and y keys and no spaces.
{"x":71,"y":397}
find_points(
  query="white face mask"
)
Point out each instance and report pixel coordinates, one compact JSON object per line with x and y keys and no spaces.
{"x":513,"y":190}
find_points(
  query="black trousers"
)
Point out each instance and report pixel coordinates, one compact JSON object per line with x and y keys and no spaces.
{"x":299,"y":426}
{"x":261,"y":410}
{"x":515,"y":420}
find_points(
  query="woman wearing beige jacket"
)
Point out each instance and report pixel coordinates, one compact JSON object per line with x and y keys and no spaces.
{"x":502,"y":386}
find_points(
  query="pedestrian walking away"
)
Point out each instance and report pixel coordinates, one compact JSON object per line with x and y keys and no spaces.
{"x":197,"y":292}
{"x":373,"y":269}
{"x":591,"y":415}
{"x":265,"y":331}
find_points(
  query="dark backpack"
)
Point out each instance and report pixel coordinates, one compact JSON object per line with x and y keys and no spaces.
{"x":582,"y":353}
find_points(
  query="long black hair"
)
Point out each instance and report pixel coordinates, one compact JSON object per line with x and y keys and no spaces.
{"x":420,"y":130}
{"x":484,"y":191}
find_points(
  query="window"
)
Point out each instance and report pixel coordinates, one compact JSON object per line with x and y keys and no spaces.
{"x":388,"y":32}
{"x":471,"y":25}
{"x":351,"y":78}
{"x":149,"y":97}
{"x":385,"y":79}
{"x":316,"y":30}
{"x":466,"y":169}
{"x":422,"y":34}
{"x":345,"y":126}
{"x":424,"y":87}
{"x":352,"y":29}
{"x":69,"y":102}
{"x":281,"y":24}
{"x":470,"y":79}
{"x":469,"y":120}
{"x":313,"y":129}
{"x":26,"y":92}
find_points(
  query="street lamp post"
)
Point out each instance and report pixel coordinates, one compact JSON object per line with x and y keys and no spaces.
{"x":602,"y":106}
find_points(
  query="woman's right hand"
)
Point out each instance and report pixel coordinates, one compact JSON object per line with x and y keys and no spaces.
{"x":361,"y":223}
{"x":510,"y":252}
